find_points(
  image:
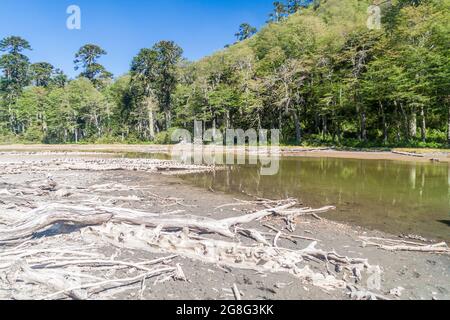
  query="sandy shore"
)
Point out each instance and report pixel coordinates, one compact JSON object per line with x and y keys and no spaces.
{"x":404,"y":275}
{"x":398,"y":155}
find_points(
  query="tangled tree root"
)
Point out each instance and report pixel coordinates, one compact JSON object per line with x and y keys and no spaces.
{"x":50,"y":272}
{"x":174,"y":234}
{"x":231,"y":254}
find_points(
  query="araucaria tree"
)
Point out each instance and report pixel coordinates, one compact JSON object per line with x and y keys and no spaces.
{"x":14,"y":65}
{"x":86,"y":59}
{"x":168,"y":55}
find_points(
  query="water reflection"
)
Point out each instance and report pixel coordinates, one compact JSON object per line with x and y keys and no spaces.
{"x":397,"y":197}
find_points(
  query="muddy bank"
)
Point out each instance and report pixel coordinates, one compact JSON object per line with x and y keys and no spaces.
{"x":399,"y":155}
{"x":42,"y":265}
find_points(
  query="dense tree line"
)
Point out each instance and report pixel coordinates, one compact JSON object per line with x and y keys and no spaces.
{"x":315,"y":71}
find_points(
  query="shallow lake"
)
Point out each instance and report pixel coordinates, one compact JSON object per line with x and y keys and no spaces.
{"x":392,"y":196}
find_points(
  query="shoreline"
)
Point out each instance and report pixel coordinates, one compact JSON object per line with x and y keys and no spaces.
{"x":405,"y":274}
{"x":394,"y":155}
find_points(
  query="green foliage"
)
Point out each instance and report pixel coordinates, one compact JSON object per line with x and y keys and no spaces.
{"x":15,"y":66}
{"x":86,"y":59}
{"x":245,"y":32}
{"x":41,"y":73}
{"x":14,"y":45}
{"x":154,"y":77}
{"x":165,"y":137}
{"x":34,"y":135}
{"x":315,"y":71}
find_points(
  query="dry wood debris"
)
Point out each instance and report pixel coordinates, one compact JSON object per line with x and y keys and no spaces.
{"x":60,"y":241}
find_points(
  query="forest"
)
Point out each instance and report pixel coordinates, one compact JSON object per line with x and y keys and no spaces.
{"x":315,"y":71}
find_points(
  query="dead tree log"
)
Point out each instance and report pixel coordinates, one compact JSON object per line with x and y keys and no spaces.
{"x":44,"y":217}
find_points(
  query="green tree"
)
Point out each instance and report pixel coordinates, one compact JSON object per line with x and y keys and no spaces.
{"x":245,"y":32}
{"x":59,"y":78}
{"x":41,"y":73}
{"x":145,"y":79}
{"x":14,"y":66}
{"x":86,"y":59}
{"x":279,"y":12}
{"x":157,"y":70}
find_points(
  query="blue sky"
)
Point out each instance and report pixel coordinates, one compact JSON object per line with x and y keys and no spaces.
{"x":122,"y":27}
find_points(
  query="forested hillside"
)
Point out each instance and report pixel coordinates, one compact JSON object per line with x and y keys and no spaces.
{"x":315,"y":71}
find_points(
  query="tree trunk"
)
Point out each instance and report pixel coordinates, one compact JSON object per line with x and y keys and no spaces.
{"x":448,"y":126}
{"x":168,"y":119}
{"x":338,"y":130}
{"x":423,"y":127}
{"x":363,"y":126}
{"x":413,"y":124}
{"x":259,"y":121}
{"x":385,"y":129}
{"x":397,"y":122}
{"x":316,"y":123}
{"x":405,"y":122}
{"x":227,"y":119}
{"x":151,"y":123}
{"x":214,"y":124}
{"x":298,"y":128}
{"x":280,"y":122}
{"x":324,"y":126}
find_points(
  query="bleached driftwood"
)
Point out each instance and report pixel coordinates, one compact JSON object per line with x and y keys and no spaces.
{"x":100,"y":165}
{"x":254,"y":234}
{"x":51,"y":280}
{"x":42,"y":218}
{"x":409,"y":154}
{"x":236,"y":292}
{"x":258,"y":202}
{"x":127,"y":281}
{"x":288,"y":236}
{"x":48,"y":215}
{"x":400,"y":245}
{"x":291,"y":215}
{"x":231,"y":254}
{"x":360,"y":294}
{"x":128,"y":228}
{"x":55,"y":271}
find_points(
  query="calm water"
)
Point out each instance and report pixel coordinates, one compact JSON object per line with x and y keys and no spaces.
{"x":396,"y":197}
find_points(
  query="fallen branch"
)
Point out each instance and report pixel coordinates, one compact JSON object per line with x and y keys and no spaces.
{"x":400,"y":245}
{"x":409,"y":154}
{"x":236,"y":292}
{"x":124,"y":281}
{"x":289,"y":236}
